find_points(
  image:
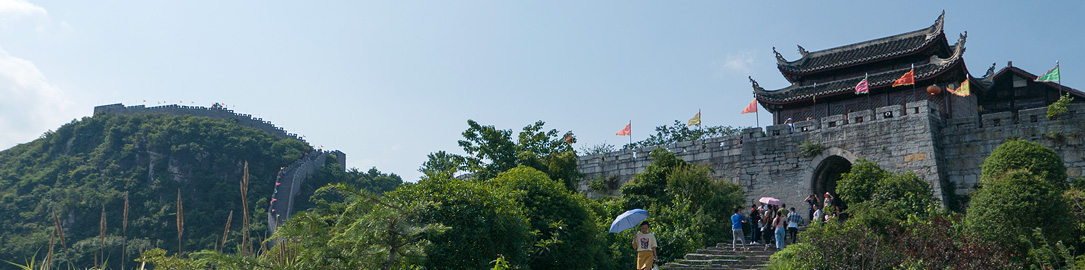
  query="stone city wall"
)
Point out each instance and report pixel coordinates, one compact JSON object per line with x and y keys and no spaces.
{"x":969,"y":141}
{"x":768,"y":162}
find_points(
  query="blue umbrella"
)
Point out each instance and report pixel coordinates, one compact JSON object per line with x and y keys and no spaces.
{"x":627,"y":220}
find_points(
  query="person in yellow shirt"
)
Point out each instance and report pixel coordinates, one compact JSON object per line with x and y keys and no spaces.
{"x":645,"y":243}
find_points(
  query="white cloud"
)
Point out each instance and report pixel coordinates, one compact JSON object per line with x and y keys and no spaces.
{"x":29,"y":104}
{"x":737,"y":64}
{"x":10,"y":9}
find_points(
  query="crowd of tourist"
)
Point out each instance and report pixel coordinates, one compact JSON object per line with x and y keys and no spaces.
{"x":776,"y":225}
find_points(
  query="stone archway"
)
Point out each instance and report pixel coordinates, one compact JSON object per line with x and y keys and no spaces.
{"x":826,"y":170}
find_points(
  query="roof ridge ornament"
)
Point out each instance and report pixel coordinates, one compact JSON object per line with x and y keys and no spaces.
{"x":937,"y":27}
{"x":779,"y":58}
{"x":990,"y":71}
{"x":802,"y":51}
{"x":755,"y":85}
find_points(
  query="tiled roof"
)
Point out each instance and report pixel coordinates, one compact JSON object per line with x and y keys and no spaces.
{"x":796,"y":92}
{"x":862,"y":52}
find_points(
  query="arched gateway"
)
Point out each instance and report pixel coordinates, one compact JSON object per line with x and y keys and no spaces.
{"x":827,"y":170}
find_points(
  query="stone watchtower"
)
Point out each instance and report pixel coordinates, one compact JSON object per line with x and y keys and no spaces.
{"x":922,"y":128}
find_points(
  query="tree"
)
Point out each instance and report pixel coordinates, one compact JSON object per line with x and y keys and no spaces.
{"x":484,"y":222}
{"x":492,"y":151}
{"x":860,"y":184}
{"x":1020,"y":154}
{"x":1009,"y":206}
{"x":564,"y":229}
{"x":680,"y":132}
{"x":687,"y":202}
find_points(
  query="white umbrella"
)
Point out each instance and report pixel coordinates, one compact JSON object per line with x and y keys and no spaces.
{"x":769,"y":200}
{"x":627,"y":220}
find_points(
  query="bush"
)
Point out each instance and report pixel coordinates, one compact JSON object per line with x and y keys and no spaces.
{"x":1032,"y":157}
{"x":563,"y":226}
{"x":860,"y":183}
{"x":485,"y":222}
{"x":880,"y":197}
{"x":1010,"y":206}
{"x":689,"y":206}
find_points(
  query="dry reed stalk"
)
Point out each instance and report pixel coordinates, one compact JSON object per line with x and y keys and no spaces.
{"x":101,"y":233}
{"x":60,"y":233}
{"x":180,"y":221}
{"x":245,"y":211}
{"x":124,"y":231}
{"x":227,"y":232}
{"x":47,"y":264}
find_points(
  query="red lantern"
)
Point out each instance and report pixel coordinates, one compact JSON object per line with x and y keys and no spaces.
{"x":934,"y":90}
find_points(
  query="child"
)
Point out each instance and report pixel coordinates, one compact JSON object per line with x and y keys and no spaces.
{"x":645,"y":243}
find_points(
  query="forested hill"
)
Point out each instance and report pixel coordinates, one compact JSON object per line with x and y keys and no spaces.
{"x":88,"y":165}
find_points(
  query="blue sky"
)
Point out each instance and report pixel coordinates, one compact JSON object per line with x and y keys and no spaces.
{"x":388,"y":82}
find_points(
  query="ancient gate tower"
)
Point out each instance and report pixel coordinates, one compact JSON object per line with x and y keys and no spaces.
{"x":925,"y":129}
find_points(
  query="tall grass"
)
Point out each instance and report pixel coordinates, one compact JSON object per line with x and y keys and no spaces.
{"x":245,"y":211}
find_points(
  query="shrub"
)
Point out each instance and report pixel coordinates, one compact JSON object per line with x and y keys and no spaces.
{"x":564,"y":229}
{"x":1032,"y":157}
{"x":860,"y":183}
{"x":484,"y":222}
{"x":1011,"y":205}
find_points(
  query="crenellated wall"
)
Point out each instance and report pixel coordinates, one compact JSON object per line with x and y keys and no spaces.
{"x":969,"y":141}
{"x":768,"y":162}
{"x":945,"y":153}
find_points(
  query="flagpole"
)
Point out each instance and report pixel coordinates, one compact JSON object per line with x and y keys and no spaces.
{"x":1060,"y":77}
{"x":630,"y":133}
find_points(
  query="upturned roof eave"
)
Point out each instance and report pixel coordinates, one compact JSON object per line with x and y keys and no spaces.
{"x":796,"y":68}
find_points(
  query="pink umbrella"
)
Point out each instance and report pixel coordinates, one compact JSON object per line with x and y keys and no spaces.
{"x":769,"y":200}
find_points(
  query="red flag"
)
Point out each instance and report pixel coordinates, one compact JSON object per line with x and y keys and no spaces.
{"x":569,"y":138}
{"x":625,"y":131}
{"x":863,"y":87}
{"x":907,"y":79}
{"x":751,"y":108}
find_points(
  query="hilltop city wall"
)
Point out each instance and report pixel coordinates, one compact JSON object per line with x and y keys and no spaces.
{"x":769,"y":161}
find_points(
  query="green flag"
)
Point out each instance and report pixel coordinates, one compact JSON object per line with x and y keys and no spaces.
{"x":1051,"y":75}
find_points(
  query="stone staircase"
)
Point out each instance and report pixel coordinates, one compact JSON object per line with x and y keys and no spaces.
{"x":721,"y":257}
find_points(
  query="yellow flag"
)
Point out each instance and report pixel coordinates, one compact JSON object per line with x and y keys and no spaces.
{"x":964,"y":90}
{"x":696,"y":120}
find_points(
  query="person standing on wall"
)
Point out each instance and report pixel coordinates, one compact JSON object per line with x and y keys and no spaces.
{"x":813,"y":201}
{"x":793,"y":221}
{"x":736,"y":229}
{"x":779,"y":224}
{"x":645,"y":243}
{"x":755,"y":224}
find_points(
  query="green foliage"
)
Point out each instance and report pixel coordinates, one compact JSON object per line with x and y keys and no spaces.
{"x":1059,"y":107}
{"x":597,"y":149}
{"x":492,"y":151}
{"x":1011,"y":205}
{"x":372,"y":181}
{"x":1032,"y":157}
{"x":161,"y":261}
{"x":88,"y":164}
{"x":680,"y":132}
{"x":811,"y":149}
{"x":793,"y":258}
{"x":1043,"y":255}
{"x":484,"y":222}
{"x":860,"y":184}
{"x":564,"y":228}
{"x":648,"y":187}
{"x":933,"y":243}
{"x":878,"y":198}
{"x":688,"y":203}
